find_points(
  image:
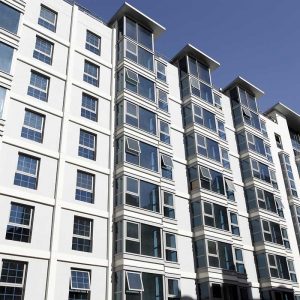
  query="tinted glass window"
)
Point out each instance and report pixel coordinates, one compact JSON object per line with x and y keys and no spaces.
{"x":9,"y":18}
{"x":6,"y":55}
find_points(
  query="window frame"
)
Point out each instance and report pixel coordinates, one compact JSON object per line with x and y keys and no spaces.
{"x":55,"y":14}
{"x":89,"y":78}
{"x":141,"y":281}
{"x":90,"y":45}
{"x":84,"y":108}
{"x":36,"y":88}
{"x":38,"y":52}
{"x":83,"y":237}
{"x":72,"y":288}
{"x":169,"y":249}
{"x":93,"y":150}
{"x":91,"y":191}
{"x":234,"y":226}
{"x":166,"y":166}
{"x":161,"y":75}
{"x":41,"y":131}
{"x":212,"y":254}
{"x":168,"y":206}
{"x":165,"y":136}
{"x":163,"y":104}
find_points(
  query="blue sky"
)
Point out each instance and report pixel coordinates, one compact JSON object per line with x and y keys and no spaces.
{"x":257,"y":39}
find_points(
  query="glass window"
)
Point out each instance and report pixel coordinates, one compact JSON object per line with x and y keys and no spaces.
{"x":80,"y":284}
{"x":239,"y":261}
{"x":215,"y":215}
{"x":48,"y":18}
{"x":39,"y":86}
{"x":91,"y":73}
{"x":85,"y":187}
{"x":12,"y":282}
{"x":140,"y":117}
{"x":234,"y":224}
{"x":230,"y":189}
{"x":2,"y":99}
{"x":164,"y":132}
{"x":161,"y":71}
{"x":89,"y":107}
{"x":145,"y":58}
{"x":6,"y":55}
{"x":169,"y":208}
{"x":285,"y":238}
{"x":87,"y":145}
{"x":216,"y":291}
{"x":203,"y":72}
{"x":162,"y":100}
{"x":173,"y":289}
{"x":131,"y":29}
{"x":27,"y":171}
{"x":33,"y":126}
{"x":93,"y":42}
{"x":196,"y":214}
{"x":217,"y":100}
{"x":221,"y":130}
{"x":43,"y":50}
{"x":171,"y":252}
{"x":144,"y":37}
{"x":212,"y":180}
{"x":166,"y":166}
{"x":134,"y":281}
{"x":225,"y":158}
{"x":213,"y":256}
{"x":82,"y":234}
{"x":20,"y":223}
{"x":9,"y":18}
{"x":292,"y":271}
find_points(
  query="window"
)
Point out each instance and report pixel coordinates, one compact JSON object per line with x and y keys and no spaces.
{"x":27,"y":171}
{"x":273,"y":265}
{"x":139,"y":84}
{"x":230,"y":189}
{"x":211,"y":180}
{"x":137,"y":54}
{"x":6,"y":54}
{"x":239,"y":261}
{"x":20,"y":223}
{"x":278,"y":266}
{"x":217,"y":100}
{"x":140,"y":117}
{"x":263,"y":128}
{"x":33,"y":126}
{"x":278,"y":141}
{"x":225,"y":158}
{"x":166,"y":166}
{"x":256,"y":144}
{"x":141,"y":154}
{"x":93,"y":42}
{"x":80,"y":285}
{"x":169,"y":208}
{"x":247,"y":99}
{"x":171,"y":252}
{"x":208,"y":147}
{"x":216,"y":291}
{"x":39,"y":86}
{"x":2,"y":100}
{"x":285,"y":238}
{"x":221,"y":130}
{"x":162,"y":100}
{"x":91,"y":73}
{"x":234,"y":224}
{"x":85,"y":187}
{"x":12,"y":282}
{"x":164,"y":132}
{"x":161,"y":71}
{"x":292,"y":271}
{"x":82,"y":234}
{"x":87,"y":145}
{"x":173,"y":289}
{"x":199,"y":70}
{"x":268,"y":153}
{"x":9,"y":18}
{"x":89,"y":107}
{"x":213,"y":256}
{"x":273,"y":179}
{"x":201,"y":90}
{"x":142,"y":194}
{"x":138,"y":33}
{"x":48,"y":18}
{"x":143,"y":239}
{"x":43,"y":50}
{"x":196,"y":214}
{"x":215,"y":215}
{"x":134,"y":281}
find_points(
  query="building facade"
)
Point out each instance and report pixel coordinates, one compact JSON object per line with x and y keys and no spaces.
{"x":125,"y":175}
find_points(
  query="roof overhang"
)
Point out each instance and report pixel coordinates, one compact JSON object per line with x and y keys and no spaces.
{"x":128,"y":10}
{"x":292,"y":118}
{"x":197,"y":54}
{"x":243,"y":83}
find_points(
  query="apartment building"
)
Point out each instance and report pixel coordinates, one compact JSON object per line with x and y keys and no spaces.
{"x":125,"y":175}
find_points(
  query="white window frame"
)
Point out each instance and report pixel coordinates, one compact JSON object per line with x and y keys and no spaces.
{"x":37,"y":87}
{"x":87,"y":147}
{"x":164,"y":132}
{"x":273,"y":266}
{"x":90,"y":237}
{"x":80,"y":289}
{"x":37,"y":166}
{"x":168,"y":248}
{"x":171,"y":296}
{"x":168,"y":205}
{"x":142,"y":284}
{"x":50,"y":56}
{"x":266,"y":231}
{"x":136,"y":116}
{"x":46,"y":20}
{"x":208,"y":175}
{"x":268,"y":153}
{"x":88,"y":74}
{"x":221,"y":130}
{"x":205,"y":214}
{"x":91,"y":45}
{"x":93,"y":183}
{"x":236,"y":225}
{"x":203,"y":145}
{"x":285,"y":237}
{"x":137,"y":240}
{"x":29,"y":226}
{"x":160,"y":99}
{"x":291,"y":270}
{"x":225,"y":159}
{"x":129,"y":192}
{"x":17,"y":285}
{"x":230,"y":185}
{"x":87,"y":108}
{"x":167,"y":161}
{"x":133,"y":79}
{"x":219,"y":105}
{"x":195,"y":83}
{"x":160,"y":72}
{"x":130,"y":149}
{"x":273,"y":178}
{"x":236,"y":261}
{"x":213,"y":255}
{"x":41,"y":131}
{"x":258,"y":197}
{"x":246,"y":112}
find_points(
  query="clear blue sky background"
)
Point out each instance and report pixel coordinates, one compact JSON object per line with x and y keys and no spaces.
{"x":257,"y":39}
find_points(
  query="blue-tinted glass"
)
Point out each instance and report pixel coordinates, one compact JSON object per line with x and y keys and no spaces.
{"x":91,"y":73}
{"x":9,"y":18}
{"x":148,"y":157}
{"x":79,"y":296}
{"x":206,"y":93}
{"x":82,"y":226}
{"x":147,"y":120}
{"x":32,"y":128}
{"x":193,"y":66}
{"x":217,"y":184}
{"x":43,"y":50}
{"x":149,"y":196}
{"x":255,"y":120}
{"x":38,"y":86}
{"x":213,"y":149}
{"x":89,"y":107}
{"x":87,"y":145}
{"x":131,"y":29}
{"x":80,"y":280}
{"x":145,"y":58}
{"x":47,"y":18}
{"x":6,"y":55}
{"x":209,"y":120}
{"x":150,"y":241}
{"x":2,"y":99}
{"x":146,"y":88}
{"x":144,"y":37}
{"x":225,"y":255}
{"x":20,"y":214}
{"x":92,"y":43}
{"x":203,"y":72}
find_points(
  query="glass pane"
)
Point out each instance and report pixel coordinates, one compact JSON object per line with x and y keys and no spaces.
{"x":145,"y":37}
{"x":9,"y":18}
{"x":132,"y":230}
{"x":150,"y":241}
{"x":131,"y":29}
{"x":6,"y":55}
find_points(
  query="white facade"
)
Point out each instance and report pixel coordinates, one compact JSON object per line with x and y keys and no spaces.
{"x":117,"y":180}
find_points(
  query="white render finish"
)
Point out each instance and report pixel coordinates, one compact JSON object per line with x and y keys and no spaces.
{"x":48,"y":256}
